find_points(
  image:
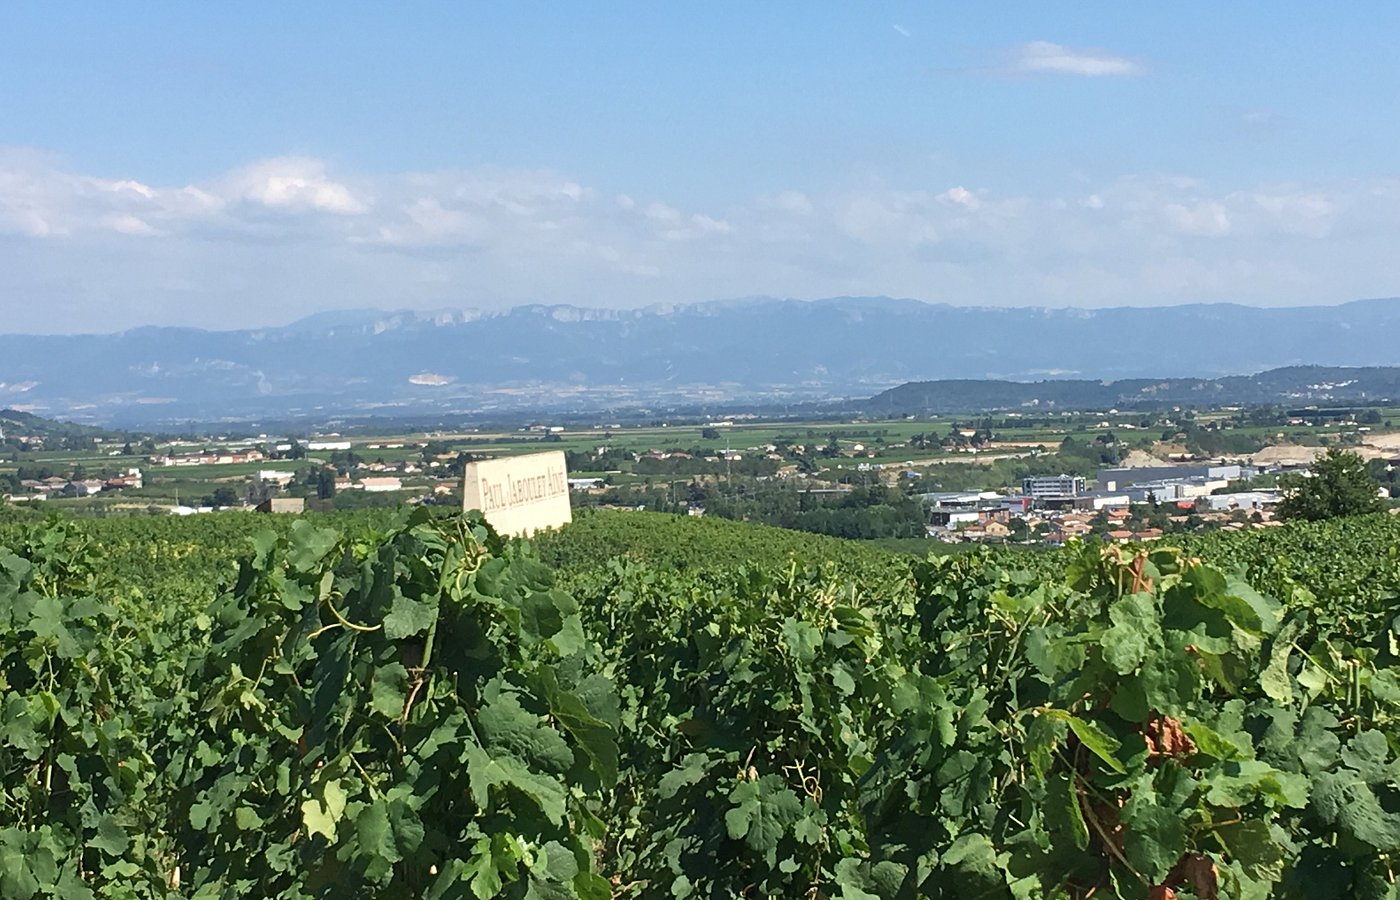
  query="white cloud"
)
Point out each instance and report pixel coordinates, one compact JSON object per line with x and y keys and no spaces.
{"x":903,"y":32}
{"x":707,"y":225}
{"x":1300,"y":211}
{"x":1208,"y":219}
{"x":960,"y":196}
{"x":135,"y":187}
{"x":1259,"y":118}
{"x":125,"y":224}
{"x":1041,"y":57}
{"x":280,"y":238}
{"x":426,"y":222}
{"x":292,"y":183}
{"x":789,"y":201}
{"x":662,"y":213}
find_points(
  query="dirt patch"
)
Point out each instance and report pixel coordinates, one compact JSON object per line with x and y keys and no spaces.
{"x":1140,"y":459}
{"x":1286,"y":455}
{"x":1388,"y":442}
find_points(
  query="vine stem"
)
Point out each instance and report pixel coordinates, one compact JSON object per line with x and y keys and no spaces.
{"x":363,"y":629}
{"x":365,"y":776}
{"x":1107,"y":841}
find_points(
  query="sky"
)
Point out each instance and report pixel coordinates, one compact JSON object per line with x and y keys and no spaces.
{"x":234,"y":165}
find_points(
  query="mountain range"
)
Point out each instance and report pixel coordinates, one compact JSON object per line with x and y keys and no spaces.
{"x":1300,"y":386}
{"x":556,"y":358}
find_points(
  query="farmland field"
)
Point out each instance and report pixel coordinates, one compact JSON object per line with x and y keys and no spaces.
{"x":386,"y":704}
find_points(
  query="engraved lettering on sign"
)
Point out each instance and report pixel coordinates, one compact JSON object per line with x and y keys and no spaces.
{"x":519,"y":494}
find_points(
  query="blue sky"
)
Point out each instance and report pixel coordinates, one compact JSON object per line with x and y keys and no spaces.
{"x":228,"y":165}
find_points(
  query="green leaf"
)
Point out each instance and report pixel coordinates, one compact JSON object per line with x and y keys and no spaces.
{"x":1367,"y":754}
{"x":842,"y":679}
{"x":1316,"y":746}
{"x":482,"y":872}
{"x":1063,"y":814}
{"x":590,"y":886}
{"x":508,"y":727}
{"x":320,"y":816}
{"x":1043,"y":735}
{"x":1211,"y":743}
{"x":761,"y":813}
{"x":385,"y":831}
{"x":540,"y":615}
{"x":1343,"y":800}
{"x":552,"y":873}
{"x":375,"y":837}
{"x":388,"y":690}
{"x":1275,"y":680}
{"x":692,"y":769}
{"x":801,"y":640}
{"x":1098,"y":741}
{"x":1156,"y":836}
{"x":111,"y":839}
{"x":1241,"y":782}
{"x":47,"y":621}
{"x":808,"y":829}
{"x":70,"y":886}
{"x":1252,"y":845}
{"x":121,"y":870}
{"x":596,"y":737}
{"x":974,"y":858}
{"x":16,"y":880}
{"x":1170,"y":681}
{"x":308,"y":545}
{"x":408,"y":617}
{"x":264,"y":542}
{"x":486,"y":772}
{"x":1263,"y":611}
{"x":1135,"y":620}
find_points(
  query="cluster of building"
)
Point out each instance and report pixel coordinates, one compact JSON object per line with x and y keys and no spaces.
{"x":210,"y":458}
{"x":43,"y":489}
{"x":1059,"y":507}
{"x":373,"y":484}
{"x":766,"y":451}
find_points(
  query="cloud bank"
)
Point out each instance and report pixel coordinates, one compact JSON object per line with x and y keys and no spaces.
{"x":283,"y":237}
{"x":1043,"y":57}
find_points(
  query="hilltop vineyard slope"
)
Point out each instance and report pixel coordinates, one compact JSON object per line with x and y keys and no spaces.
{"x":407,"y":705}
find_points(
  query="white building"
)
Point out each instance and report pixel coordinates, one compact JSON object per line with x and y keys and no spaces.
{"x":1047,"y":486}
{"x":1248,"y":500}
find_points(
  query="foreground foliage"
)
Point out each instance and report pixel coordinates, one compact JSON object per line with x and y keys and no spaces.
{"x":412,"y":715}
{"x":415,"y":708}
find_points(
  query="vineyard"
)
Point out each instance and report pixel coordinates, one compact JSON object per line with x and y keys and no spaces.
{"x":405,"y":705}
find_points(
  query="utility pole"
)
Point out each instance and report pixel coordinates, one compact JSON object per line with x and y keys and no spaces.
{"x":728,"y":470}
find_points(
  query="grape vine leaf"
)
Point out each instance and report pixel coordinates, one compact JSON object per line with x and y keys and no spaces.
{"x":486,"y":771}
{"x":761,"y":814}
{"x":408,"y":617}
{"x":1135,"y":619}
{"x":1098,"y":741}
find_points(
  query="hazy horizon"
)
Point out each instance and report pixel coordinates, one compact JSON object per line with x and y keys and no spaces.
{"x":428,"y":312}
{"x":225,"y":169}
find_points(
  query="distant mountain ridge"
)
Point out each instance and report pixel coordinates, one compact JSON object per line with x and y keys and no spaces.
{"x":366,"y":362}
{"x":1302,"y":386}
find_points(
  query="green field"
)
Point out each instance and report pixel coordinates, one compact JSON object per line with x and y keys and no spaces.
{"x":383,"y":705}
{"x":823,"y":451}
